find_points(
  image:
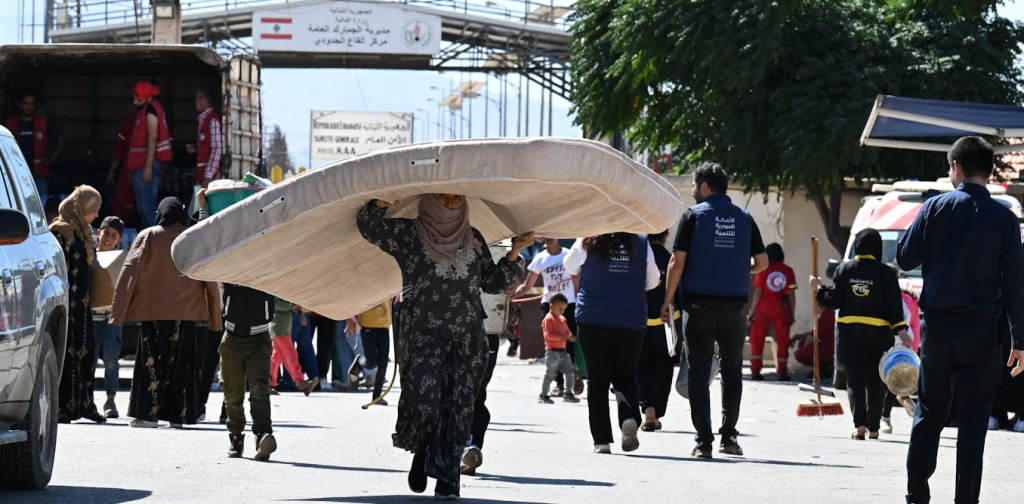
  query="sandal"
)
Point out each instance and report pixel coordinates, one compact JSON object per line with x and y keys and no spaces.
{"x":138,"y":422}
{"x":873,"y":435}
{"x":858,"y":435}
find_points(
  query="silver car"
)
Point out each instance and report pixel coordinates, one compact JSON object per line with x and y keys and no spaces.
{"x":33,"y":326}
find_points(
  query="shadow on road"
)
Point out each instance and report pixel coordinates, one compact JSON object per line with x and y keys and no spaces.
{"x":56,"y":493}
{"x":530,"y":480}
{"x":292,"y":425}
{"x":744,"y":461}
{"x":307,"y":465}
{"x":406,"y":498}
{"x":531,"y":431}
{"x":516,"y":424}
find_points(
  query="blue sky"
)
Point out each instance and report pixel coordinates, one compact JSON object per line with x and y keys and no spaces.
{"x":289,"y":95}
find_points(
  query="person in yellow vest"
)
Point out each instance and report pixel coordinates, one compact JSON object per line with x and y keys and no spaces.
{"x":374,"y":324}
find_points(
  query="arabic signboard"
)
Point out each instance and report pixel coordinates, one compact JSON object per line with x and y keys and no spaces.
{"x":339,"y":135}
{"x":346,"y":27}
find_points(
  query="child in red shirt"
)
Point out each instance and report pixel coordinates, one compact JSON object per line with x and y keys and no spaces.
{"x":556,"y":334}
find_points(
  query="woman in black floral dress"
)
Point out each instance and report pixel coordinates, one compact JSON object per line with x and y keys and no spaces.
{"x":440,"y":346}
{"x":74,"y":233}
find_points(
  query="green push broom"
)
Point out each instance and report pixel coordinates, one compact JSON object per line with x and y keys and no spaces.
{"x":818,"y":407}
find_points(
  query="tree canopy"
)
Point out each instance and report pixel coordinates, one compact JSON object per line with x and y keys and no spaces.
{"x":779,"y":91}
{"x":277,"y":151}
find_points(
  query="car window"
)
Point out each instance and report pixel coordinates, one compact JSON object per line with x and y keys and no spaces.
{"x":22,"y":176}
{"x":6,"y":195}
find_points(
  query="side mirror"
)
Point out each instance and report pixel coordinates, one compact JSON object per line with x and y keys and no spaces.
{"x":830,"y":269}
{"x":14,"y":227}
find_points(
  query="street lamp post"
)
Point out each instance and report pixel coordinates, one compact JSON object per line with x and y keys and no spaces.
{"x":426,"y":128}
{"x":440,"y":132}
{"x":439,"y":90}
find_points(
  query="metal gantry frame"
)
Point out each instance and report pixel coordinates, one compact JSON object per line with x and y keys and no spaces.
{"x":501,"y":37}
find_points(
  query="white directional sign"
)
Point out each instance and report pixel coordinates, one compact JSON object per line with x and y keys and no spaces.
{"x":339,"y":135}
{"x":346,"y":27}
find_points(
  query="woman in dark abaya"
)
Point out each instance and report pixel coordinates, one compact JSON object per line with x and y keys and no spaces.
{"x":441,"y":348}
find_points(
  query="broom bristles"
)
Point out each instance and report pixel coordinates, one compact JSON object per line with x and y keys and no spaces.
{"x":818,"y":409}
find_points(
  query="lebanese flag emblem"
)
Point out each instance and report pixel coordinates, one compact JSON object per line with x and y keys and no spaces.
{"x":276,"y":28}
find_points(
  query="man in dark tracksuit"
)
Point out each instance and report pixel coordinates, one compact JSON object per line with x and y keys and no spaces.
{"x":714,"y":245}
{"x":969,"y":247}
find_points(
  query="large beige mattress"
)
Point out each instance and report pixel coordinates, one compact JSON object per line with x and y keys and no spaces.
{"x":299,"y":241}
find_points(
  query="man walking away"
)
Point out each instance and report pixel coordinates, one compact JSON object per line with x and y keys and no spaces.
{"x":34,"y":132}
{"x":714,"y":244}
{"x":968,"y":246}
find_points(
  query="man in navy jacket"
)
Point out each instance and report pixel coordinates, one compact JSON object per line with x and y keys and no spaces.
{"x":969,"y":248}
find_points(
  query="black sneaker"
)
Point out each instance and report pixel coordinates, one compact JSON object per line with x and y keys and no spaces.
{"x":570,"y":398}
{"x":701,"y":451}
{"x":784,"y":378}
{"x":446,"y":491}
{"x":545,"y":400}
{"x":237,"y":445}
{"x":265,"y":445}
{"x":729,"y":446}
{"x":757,"y":377}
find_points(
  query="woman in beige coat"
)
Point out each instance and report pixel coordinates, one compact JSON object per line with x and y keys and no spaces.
{"x":172,"y":310}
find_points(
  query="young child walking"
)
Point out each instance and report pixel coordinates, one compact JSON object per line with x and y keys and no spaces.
{"x":245,"y":358}
{"x":556,"y":335}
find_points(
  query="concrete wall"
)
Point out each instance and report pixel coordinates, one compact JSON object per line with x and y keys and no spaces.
{"x":800,"y":222}
{"x":767,"y":215}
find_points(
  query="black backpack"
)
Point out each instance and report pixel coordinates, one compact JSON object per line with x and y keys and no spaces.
{"x":247,"y":312}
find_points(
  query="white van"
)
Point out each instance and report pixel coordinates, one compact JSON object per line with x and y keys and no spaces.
{"x":892,"y":212}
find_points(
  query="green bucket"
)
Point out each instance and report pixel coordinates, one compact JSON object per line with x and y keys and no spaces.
{"x":219,"y":199}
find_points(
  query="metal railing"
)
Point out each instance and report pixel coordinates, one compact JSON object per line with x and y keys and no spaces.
{"x":91,"y":13}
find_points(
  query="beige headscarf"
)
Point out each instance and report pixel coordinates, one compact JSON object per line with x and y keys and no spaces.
{"x":443,"y":231}
{"x":71,"y":221}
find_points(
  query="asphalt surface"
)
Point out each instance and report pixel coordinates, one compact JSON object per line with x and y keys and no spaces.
{"x":330,"y":450}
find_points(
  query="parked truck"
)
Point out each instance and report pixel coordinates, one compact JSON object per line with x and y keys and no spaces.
{"x":86,"y":90}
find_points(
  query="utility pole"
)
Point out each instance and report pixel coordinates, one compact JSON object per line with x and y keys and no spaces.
{"x":166,"y":21}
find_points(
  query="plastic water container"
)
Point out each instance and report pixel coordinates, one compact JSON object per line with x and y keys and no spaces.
{"x":899,"y":369}
{"x":219,"y":199}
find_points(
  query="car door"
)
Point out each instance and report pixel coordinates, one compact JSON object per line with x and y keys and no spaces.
{"x":27,"y":261}
{"x":8,"y":301}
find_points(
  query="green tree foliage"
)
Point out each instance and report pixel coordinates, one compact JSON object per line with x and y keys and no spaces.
{"x":277,"y":151}
{"x":779,"y":91}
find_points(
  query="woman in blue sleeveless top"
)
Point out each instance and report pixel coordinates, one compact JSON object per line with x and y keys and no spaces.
{"x":615,"y":271}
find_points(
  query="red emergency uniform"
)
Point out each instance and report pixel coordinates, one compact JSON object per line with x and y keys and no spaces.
{"x":40,"y":168}
{"x":775,"y":282}
{"x":137,"y":143}
{"x":124,"y":195}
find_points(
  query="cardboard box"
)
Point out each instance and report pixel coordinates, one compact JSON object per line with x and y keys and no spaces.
{"x":105,"y":270}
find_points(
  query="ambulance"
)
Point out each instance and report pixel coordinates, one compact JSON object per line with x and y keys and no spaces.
{"x":892,"y":208}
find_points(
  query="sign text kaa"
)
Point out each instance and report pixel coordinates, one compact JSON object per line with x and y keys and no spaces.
{"x":338,"y":134}
{"x":347,"y":27}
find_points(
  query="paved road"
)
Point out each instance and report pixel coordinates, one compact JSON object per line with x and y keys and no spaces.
{"x":332,"y":451}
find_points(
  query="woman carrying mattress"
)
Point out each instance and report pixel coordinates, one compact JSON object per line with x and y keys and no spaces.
{"x":439,"y":344}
